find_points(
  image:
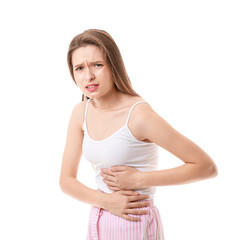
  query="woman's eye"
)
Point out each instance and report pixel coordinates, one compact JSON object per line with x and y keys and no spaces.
{"x":98,"y":65}
{"x":79,"y":68}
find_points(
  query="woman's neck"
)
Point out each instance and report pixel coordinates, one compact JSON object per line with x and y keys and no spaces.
{"x":109,"y":102}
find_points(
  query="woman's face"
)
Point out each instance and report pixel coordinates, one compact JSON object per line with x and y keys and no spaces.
{"x":91,"y":72}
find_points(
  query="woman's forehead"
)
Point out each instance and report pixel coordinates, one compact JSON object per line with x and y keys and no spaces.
{"x":90,"y":53}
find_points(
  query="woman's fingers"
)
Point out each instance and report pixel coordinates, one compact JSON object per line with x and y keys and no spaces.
{"x":108,"y":177}
{"x":139,"y":204}
{"x":129,"y":193}
{"x":133,"y":212}
{"x":139,"y":197}
{"x":114,"y":188}
{"x":118,"y":168}
{"x":128,"y":204}
{"x":136,"y":211}
{"x":107,"y":172}
{"x":110,"y":183}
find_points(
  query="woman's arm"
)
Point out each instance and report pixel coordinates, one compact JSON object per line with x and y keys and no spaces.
{"x":119,"y":203}
{"x":150,"y":126}
{"x":71,"y":159}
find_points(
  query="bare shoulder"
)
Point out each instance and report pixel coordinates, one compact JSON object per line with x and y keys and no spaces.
{"x":129,"y":100}
{"x":147,"y":125}
{"x":78,"y":113}
{"x":136,"y":98}
{"x":142,"y":112}
{"x":142,"y":117}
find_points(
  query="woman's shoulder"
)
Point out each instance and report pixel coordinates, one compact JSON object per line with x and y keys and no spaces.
{"x":141,"y":108}
{"x":131,"y":100}
{"x":80,"y":107}
{"x":78,"y":112}
{"x":140,"y":117}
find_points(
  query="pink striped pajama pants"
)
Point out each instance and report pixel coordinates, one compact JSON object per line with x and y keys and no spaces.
{"x":105,"y":226}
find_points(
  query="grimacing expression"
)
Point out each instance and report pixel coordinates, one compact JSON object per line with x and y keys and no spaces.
{"x":91,"y":72}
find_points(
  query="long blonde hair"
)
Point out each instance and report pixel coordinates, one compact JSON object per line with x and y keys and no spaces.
{"x":111,"y":53}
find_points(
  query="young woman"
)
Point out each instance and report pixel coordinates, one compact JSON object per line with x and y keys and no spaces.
{"x":119,"y":133}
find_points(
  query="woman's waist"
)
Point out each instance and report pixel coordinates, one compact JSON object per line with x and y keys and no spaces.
{"x":104,"y":188}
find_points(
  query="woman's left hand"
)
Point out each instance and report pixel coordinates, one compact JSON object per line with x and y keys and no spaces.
{"x":121,"y":178}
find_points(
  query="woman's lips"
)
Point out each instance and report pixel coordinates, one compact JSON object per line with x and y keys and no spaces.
{"x":92,"y":87}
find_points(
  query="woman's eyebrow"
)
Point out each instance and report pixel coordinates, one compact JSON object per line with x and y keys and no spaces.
{"x":80,"y":64}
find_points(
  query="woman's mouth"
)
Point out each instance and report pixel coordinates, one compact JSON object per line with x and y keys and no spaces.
{"x":92,"y":87}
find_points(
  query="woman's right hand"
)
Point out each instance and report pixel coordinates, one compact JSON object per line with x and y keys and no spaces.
{"x":124,"y":202}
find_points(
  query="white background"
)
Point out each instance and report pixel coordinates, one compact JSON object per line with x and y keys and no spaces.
{"x":180,"y":58}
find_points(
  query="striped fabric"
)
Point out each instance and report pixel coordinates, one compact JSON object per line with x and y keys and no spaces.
{"x":105,"y":226}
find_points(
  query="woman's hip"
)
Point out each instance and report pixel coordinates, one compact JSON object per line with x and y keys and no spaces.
{"x":105,"y":226}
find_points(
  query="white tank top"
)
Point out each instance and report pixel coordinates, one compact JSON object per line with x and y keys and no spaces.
{"x":121,"y":148}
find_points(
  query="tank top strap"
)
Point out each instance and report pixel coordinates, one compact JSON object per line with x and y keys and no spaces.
{"x":129,"y":114}
{"x":86,"y":109}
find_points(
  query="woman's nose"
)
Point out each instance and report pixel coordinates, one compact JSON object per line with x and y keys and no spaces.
{"x":89,"y":75}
